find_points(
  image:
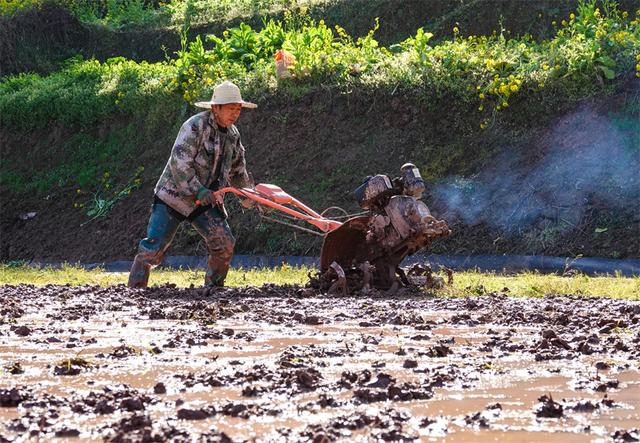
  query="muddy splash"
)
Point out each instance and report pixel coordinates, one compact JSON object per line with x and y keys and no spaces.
{"x":289,"y":364}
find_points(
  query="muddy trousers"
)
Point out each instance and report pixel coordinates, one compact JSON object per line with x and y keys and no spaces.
{"x":163,"y":224}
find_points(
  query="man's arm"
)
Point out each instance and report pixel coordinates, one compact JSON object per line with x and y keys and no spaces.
{"x":182,"y":160}
{"x":238,"y":175}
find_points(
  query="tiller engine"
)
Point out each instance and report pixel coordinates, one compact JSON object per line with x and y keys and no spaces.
{"x":397,"y":225}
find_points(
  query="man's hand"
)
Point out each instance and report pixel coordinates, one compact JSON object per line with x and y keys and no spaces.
{"x":206,"y":197}
{"x":247,"y":203}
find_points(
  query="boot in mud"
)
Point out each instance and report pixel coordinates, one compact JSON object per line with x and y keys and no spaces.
{"x":139,"y":274}
{"x":217,"y":268}
{"x":220,"y":242}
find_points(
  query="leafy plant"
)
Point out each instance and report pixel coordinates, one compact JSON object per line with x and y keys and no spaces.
{"x":104,"y":199}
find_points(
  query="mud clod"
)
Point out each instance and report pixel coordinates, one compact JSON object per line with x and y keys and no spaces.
{"x":549,"y":408}
{"x":159,"y":388}
{"x":11,"y":398}
{"x":14,"y":368}
{"x":409,"y":364}
{"x":22,"y":331}
{"x":626,"y":436}
{"x":193,"y":414}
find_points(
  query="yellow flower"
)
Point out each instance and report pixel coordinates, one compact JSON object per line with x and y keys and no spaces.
{"x":503,"y":89}
{"x":553,"y":23}
{"x":513,"y":88}
{"x":78,"y":191}
{"x":638,"y":67}
{"x":455,"y":30}
{"x":483,"y":125}
{"x":505,"y":104}
{"x":498,"y":107}
{"x":564,"y":23}
{"x":481,"y":108}
{"x":75,"y":205}
{"x":572,"y":16}
{"x":625,"y":14}
{"x":106,"y":174}
{"x":541,"y":85}
{"x":481,"y":95}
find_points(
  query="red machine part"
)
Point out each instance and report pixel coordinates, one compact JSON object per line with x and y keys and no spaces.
{"x":274,"y":197}
{"x":380,"y":241}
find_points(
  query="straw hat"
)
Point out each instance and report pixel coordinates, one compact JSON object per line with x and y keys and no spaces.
{"x":225,"y":93}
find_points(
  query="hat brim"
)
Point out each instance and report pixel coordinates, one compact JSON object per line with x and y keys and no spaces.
{"x":209,"y":103}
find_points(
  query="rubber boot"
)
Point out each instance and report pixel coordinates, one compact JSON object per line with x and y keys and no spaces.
{"x":163,"y":224}
{"x":139,"y":274}
{"x":217,"y":268}
{"x":220,"y":242}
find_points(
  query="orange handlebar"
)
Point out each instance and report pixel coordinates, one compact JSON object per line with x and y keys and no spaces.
{"x":274,"y":197}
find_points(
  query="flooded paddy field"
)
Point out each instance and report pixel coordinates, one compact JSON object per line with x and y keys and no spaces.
{"x":285,"y":363}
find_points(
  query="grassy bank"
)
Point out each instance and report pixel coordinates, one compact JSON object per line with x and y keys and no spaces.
{"x":591,"y":50}
{"x":464,"y":283}
{"x":98,"y":133}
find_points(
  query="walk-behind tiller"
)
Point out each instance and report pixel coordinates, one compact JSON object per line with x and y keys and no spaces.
{"x":396,"y":225}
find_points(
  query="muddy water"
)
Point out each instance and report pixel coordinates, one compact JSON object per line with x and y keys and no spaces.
{"x":286,"y":364}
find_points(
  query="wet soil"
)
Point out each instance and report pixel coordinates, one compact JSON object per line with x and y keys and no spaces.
{"x":287,"y":363}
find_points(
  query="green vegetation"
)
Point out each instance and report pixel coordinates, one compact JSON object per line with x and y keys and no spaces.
{"x":591,"y":49}
{"x":17,"y":273}
{"x":84,"y":92}
{"x":106,"y":197}
{"x":533,"y":284}
{"x":116,"y":115}
{"x":123,"y":13}
{"x":527,"y":284}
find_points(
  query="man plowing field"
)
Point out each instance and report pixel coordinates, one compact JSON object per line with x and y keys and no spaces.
{"x":207,"y":161}
{"x":207,"y":155}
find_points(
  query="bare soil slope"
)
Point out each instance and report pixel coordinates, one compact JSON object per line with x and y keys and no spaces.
{"x":562,"y":184}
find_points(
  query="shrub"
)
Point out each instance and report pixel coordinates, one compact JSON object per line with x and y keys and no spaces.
{"x":590,"y":50}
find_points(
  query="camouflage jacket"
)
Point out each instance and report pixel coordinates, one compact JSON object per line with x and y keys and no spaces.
{"x":198,"y":150}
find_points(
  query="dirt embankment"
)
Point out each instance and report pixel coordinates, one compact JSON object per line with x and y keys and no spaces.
{"x":560,"y":185}
{"x":290,"y":364}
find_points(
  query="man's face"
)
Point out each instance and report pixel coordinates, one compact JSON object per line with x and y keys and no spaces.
{"x":226,"y":115}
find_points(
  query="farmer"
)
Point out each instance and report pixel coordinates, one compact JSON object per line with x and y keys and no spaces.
{"x":207,"y":155}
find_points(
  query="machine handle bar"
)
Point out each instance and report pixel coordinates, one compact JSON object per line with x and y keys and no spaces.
{"x":274,"y":197}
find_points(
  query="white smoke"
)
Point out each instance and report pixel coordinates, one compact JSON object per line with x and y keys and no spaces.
{"x":584,"y":159}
